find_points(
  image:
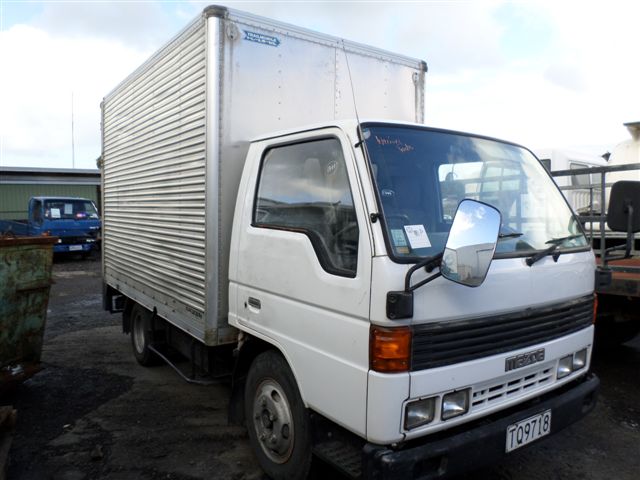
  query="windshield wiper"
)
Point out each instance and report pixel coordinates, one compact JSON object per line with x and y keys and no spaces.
{"x":559,"y":240}
{"x":553,"y":249}
{"x":510,"y":235}
{"x":540,"y":255}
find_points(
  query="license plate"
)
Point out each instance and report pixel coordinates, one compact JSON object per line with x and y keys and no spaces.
{"x":527,"y":430}
{"x":75,"y":248}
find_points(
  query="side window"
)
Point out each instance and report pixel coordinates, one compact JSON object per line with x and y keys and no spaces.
{"x":37,"y":211}
{"x":582,"y":180}
{"x":304,"y":187}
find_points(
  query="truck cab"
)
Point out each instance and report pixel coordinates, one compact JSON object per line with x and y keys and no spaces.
{"x":343,"y":261}
{"x":75,"y":221}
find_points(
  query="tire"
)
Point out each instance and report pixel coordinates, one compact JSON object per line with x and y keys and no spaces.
{"x":141,"y":336}
{"x":617,"y":321}
{"x":277,"y":420}
{"x":611,"y":335}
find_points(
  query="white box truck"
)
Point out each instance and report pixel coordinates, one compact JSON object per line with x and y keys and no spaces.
{"x":403,"y":301}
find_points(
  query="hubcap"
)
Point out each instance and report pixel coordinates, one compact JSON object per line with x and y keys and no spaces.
{"x":273,"y":421}
{"x":138,"y":333}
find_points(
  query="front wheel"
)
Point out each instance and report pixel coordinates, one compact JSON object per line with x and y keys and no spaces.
{"x":277,"y":421}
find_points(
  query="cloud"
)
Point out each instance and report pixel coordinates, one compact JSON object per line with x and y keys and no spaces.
{"x":567,"y":76}
{"x":139,"y":24}
{"x":35,"y":95}
{"x":450,"y":36}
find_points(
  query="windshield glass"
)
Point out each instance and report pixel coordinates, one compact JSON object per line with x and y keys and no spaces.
{"x":422,"y":175}
{"x":69,"y":209}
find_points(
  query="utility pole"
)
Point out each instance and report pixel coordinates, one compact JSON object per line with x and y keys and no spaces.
{"x":73,"y":148}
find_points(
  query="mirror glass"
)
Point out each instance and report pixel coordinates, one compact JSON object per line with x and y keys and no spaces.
{"x":471,"y":243}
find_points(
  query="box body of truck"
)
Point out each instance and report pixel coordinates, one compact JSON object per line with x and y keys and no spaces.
{"x":176,"y":132}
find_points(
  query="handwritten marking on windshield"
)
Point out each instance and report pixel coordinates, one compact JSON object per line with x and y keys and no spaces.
{"x":400,"y":146}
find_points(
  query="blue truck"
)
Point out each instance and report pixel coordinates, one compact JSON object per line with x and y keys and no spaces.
{"x":75,"y":221}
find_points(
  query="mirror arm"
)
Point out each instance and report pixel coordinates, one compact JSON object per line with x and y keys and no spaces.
{"x":425,"y":281}
{"x":629,"y":243}
{"x":400,"y":303}
{"x":627,"y":251}
{"x":428,"y":263}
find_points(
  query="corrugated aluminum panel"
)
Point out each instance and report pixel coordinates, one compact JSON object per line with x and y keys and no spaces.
{"x":154,"y":182}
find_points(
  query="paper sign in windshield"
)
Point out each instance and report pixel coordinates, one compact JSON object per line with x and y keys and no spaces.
{"x":417,"y":236}
{"x":55,"y":213}
{"x":68,"y":208}
{"x":399,"y":240}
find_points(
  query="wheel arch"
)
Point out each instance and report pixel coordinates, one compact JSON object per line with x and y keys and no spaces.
{"x":248,"y":349}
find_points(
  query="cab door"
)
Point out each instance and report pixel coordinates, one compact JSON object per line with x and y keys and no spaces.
{"x":304,"y":267}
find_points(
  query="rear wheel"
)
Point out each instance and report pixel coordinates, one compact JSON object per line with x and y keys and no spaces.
{"x":277,"y":421}
{"x":141,"y":336}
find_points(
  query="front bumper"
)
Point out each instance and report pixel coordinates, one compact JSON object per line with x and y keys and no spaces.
{"x":77,"y":248}
{"x":483,"y":443}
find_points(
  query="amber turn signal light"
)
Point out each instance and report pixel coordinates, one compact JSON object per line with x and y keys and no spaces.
{"x":389,"y":349}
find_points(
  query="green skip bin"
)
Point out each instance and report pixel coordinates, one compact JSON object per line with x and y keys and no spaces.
{"x":25,"y":281}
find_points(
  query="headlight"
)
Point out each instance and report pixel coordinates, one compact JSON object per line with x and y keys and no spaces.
{"x":419,"y":412}
{"x":455,"y":404}
{"x":580,"y":359}
{"x":565,"y":366}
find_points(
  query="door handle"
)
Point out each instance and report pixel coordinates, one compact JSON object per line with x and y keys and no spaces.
{"x":254,"y":303}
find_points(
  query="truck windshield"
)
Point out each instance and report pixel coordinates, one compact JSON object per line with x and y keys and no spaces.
{"x":69,"y":209}
{"x":421,"y":175}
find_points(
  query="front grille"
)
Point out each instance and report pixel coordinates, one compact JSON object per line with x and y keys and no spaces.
{"x":512,"y":386}
{"x":445,"y":343}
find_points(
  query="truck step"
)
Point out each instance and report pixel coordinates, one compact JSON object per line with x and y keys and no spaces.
{"x":342,"y":455}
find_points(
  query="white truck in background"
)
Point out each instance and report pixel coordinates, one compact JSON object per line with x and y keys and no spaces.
{"x":581,"y":191}
{"x":321,"y":269}
{"x":626,"y":153}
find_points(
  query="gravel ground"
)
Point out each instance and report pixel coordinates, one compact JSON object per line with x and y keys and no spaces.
{"x":94,"y":413}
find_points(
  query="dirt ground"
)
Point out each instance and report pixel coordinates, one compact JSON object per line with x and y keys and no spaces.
{"x":94,"y":413}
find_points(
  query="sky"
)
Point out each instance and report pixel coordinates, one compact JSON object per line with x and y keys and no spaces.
{"x":545,"y":74}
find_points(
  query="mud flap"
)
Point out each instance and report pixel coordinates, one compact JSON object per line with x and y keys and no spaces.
{"x":8,"y":418}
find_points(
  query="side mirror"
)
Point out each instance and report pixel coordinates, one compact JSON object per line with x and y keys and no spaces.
{"x":471,"y":244}
{"x":623,"y":214}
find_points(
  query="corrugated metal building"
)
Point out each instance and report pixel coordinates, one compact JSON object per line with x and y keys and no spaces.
{"x":18,"y":185}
